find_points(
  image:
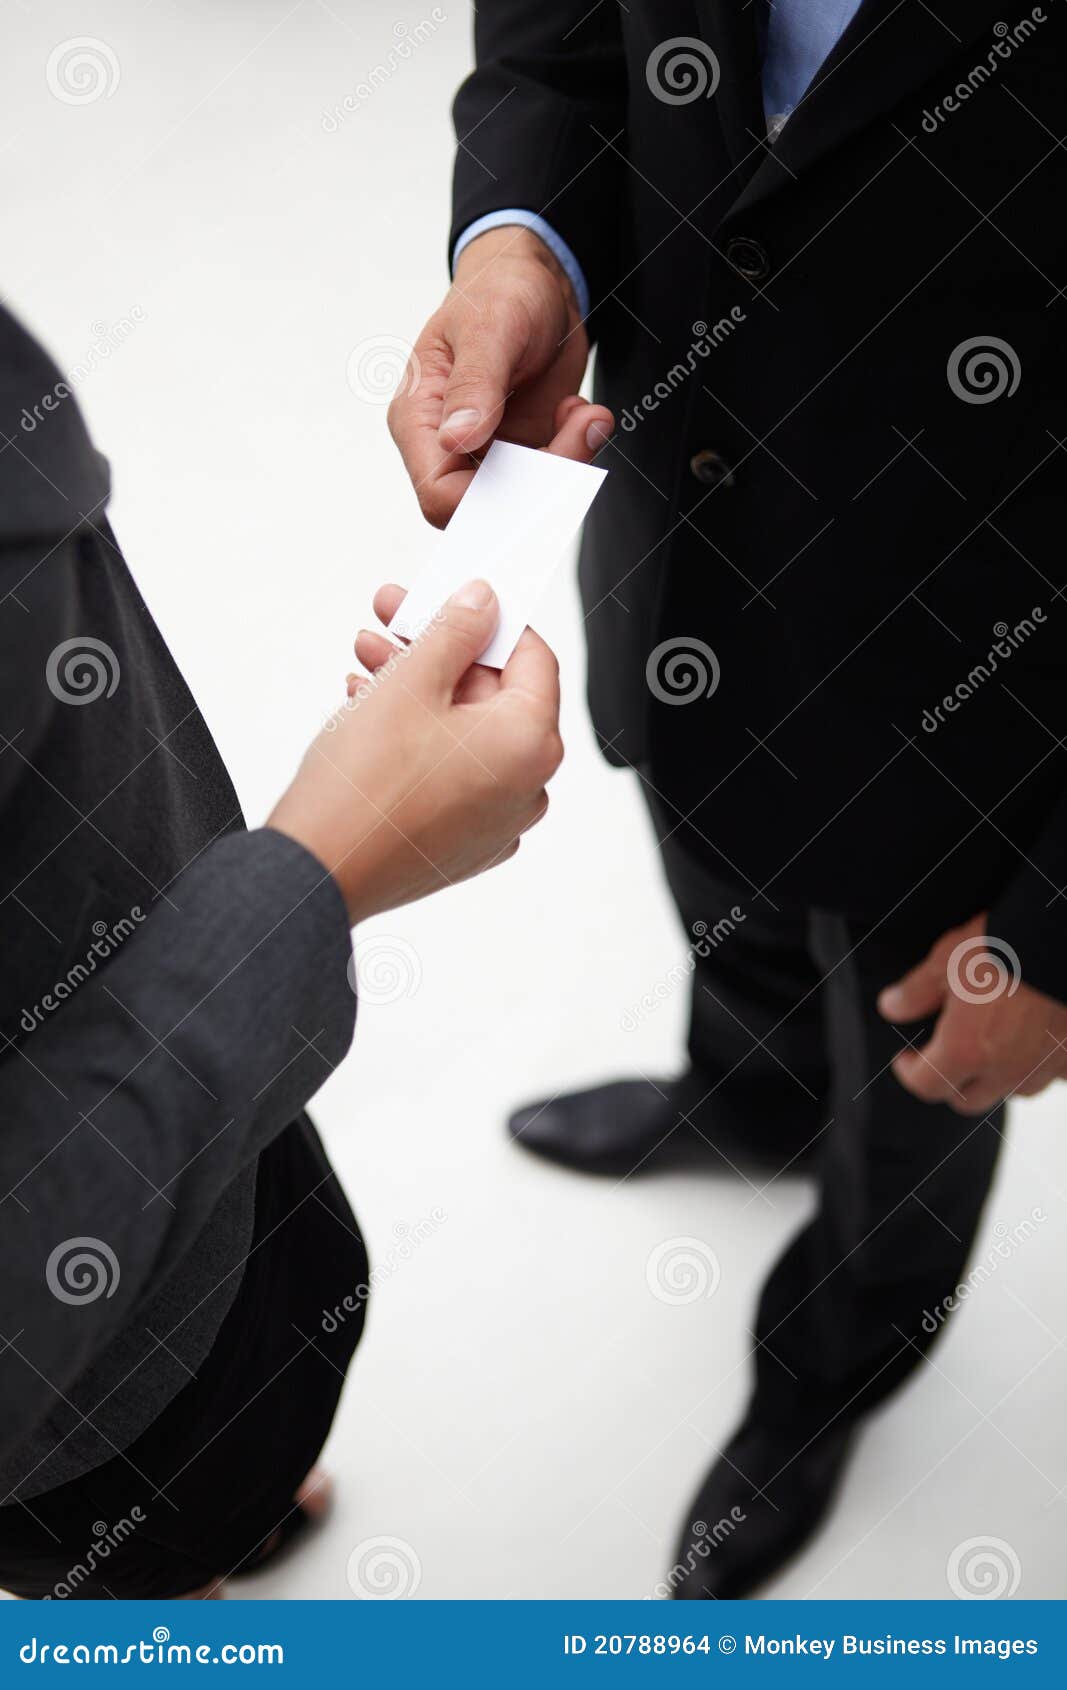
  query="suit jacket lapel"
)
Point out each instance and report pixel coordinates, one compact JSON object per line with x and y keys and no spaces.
{"x":890,"y":47}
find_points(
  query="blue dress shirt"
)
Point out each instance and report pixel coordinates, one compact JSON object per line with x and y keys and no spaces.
{"x":800,"y":34}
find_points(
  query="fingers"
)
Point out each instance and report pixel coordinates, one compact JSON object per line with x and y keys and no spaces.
{"x":564,"y":409}
{"x":487,"y":349}
{"x":582,"y":431}
{"x":533,"y":670}
{"x":387,"y":601}
{"x":920,"y":1073}
{"x":538,"y":813}
{"x":439,"y":475}
{"x":478,"y":685}
{"x":980,"y":1098}
{"x":455,"y":639}
{"x":916,"y":994}
{"x":949,"y":1063}
{"x":1036,"y":1082}
{"x":374,"y":652}
{"x":372,"y":648}
{"x":999,"y":1080}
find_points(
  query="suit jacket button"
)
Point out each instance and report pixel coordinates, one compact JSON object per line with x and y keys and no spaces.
{"x":711,"y":469}
{"x":748,"y":258}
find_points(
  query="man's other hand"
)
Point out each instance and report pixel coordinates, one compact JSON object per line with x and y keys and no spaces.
{"x":995,"y":1037}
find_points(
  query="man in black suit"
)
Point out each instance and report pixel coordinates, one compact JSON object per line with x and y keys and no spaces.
{"x":816,"y":247}
{"x":175,"y":989}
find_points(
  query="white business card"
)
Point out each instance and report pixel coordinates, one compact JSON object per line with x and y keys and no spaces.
{"x":511,"y":528}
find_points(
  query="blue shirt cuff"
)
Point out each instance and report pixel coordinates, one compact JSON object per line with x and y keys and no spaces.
{"x":530,"y":220}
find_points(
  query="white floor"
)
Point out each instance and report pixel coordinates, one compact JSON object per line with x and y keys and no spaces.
{"x":526,"y":1418}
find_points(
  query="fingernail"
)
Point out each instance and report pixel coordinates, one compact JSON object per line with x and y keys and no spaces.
{"x":460,"y":420}
{"x":597,"y":435}
{"x":476,"y":595}
{"x":889,"y":1001}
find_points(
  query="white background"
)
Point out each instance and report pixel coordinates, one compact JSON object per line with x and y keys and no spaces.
{"x":524,"y":1415}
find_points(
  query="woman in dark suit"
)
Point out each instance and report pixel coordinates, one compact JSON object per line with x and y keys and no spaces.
{"x":175,"y":989}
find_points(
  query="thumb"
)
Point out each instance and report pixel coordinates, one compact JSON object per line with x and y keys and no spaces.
{"x":917,"y":993}
{"x":455,"y":639}
{"x":484,"y":361}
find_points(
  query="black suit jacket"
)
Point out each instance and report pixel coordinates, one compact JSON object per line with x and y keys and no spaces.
{"x":812,"y":477}
{"x":173,"y":989}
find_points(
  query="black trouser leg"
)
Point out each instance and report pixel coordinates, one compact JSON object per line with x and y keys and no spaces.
{"x":902,"y":1183}
{"x":785,"y":1039}
{"x":756,"y":1027}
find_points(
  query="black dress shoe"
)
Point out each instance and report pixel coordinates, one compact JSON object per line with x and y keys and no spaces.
{"x":610,"y":1129}
{"x":763,"y":1499}
{"x":630,"y":1126}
